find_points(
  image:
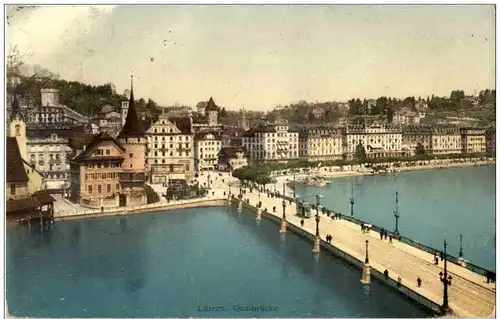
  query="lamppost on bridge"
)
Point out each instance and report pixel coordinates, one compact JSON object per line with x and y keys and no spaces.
{"x":396,"y":215}
{"x":351,"y":200}
{"x":294,"y":186}
{"x":283,"y":219}
{"x":317,"y":238}
{"x":366,"y":274}
{"x":446,"y":280}
{"x":461,"y":252}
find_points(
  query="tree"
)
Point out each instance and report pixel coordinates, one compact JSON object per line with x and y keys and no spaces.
{"x":419,"y":149}
{"x":360,"y":153}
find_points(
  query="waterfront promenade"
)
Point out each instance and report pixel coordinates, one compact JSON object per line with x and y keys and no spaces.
{"x":469,"y":294}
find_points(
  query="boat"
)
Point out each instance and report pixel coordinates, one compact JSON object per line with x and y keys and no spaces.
{"x":316,"y":181}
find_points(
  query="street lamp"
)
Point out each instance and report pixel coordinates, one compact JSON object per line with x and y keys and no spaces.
{"x":294,"y":183}
{"x":446,"y":280}
{"x":396,"y":215}
{"x":461,"y":253}
{"x":366,"y":256}
{"x":317,"y":214}
{"x":351,"y":200}
{"x":283,"y":219}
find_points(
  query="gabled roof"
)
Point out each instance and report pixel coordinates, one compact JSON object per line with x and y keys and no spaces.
{"x":211,"y":106}
{"x":44,"y":197}
{"x":15,"y":164}
{"x":182,"y":123}
{"x":132,"y":127}
{"x":16,"y":205}
{"x":99,"y":138}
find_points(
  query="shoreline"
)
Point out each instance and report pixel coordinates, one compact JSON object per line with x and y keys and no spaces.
{"x":330,"y":175}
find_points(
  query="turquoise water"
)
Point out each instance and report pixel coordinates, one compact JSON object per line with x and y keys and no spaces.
{"x":175,"y":264}
{"x":433,"y":205}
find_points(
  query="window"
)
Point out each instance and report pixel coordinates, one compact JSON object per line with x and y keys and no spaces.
{"x":131,"y":155}
{"x":90,"y":189}
{"x":108,"y":188}
{"x":99,"y":190}
{"x":108,"y":152}
{"x":18,"y":133}
{"x":117,"y":186}
{"x":13,"y":189}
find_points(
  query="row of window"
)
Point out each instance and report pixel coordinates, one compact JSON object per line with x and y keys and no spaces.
{"x":186,"y":145}
{"x":170,"y":138}
{"x":171,"y":154}
{"x":100,"y":188}
{"x":98,"y":176}
{"x":105,"y":165}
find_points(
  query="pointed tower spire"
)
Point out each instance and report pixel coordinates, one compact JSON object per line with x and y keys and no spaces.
{"x":132,"y":126}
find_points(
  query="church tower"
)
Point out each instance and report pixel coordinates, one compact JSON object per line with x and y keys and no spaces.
{"x":17,"y":128}
{"x":133,"y":139}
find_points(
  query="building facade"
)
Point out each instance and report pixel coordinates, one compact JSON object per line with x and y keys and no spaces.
{"x":473,"y":140}
{"x":446,"y":140}
{"x":379,"y":140}
{"x":170,"y":152}
{"x":320,"y":143}
{"x":490,"y":140}
{"x":272,"y":142}
{"x":417,"y":134}
{"x":231,"y":158}
{"x":206,"y":151}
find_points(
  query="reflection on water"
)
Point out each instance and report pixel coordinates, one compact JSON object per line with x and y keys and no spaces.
{"x":168,"y":264}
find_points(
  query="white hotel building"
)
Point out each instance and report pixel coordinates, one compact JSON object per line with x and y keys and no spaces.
{"x":272,"y":142}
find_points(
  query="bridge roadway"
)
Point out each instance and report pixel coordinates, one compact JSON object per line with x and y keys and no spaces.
{"x":469,"y":294}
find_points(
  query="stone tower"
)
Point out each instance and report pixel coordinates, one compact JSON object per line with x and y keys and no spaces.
{"x":133,"y":139}
{"x":212,"y":112}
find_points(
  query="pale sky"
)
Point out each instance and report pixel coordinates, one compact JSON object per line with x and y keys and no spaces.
{"x":261,"y":56}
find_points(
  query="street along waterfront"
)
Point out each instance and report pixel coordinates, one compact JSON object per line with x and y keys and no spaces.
{"x":432,"y":204}
{"x":197,"y":262}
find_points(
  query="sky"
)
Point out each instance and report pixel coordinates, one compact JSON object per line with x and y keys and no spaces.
{"x":258,"y":57}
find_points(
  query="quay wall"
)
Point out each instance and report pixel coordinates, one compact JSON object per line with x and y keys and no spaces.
{"x":146,"y":208}
{"x":375,"y":273}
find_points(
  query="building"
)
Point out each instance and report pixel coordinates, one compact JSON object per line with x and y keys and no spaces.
{"x":320,"y":143}
{"x":108,"y":120}
{"x":48,"y":151}
{"x":417,"y":134}
{"x":473,"y":140}
{"x":95,"y":172}
{"x":490,"y":140}
{"x":25,"y":197}
{"x":446,"y":140}
{"x":206,"y":151}
{"x":178,"y":111}
{"x":272,"y":142}
{"x":379,"y":140}
{"x":49,"y":112}
{"x":170,"y":152}
{"x":209,"y":121}
{"x":231,"y":158}
{"x":111,"y":172}
{"x":406,"y":117}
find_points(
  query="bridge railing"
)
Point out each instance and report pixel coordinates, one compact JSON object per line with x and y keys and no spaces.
{"x":408,"y":241}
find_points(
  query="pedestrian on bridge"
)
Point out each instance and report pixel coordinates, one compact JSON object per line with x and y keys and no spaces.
{"x":302,"y":222}
{"x":419,"y":282}
{"x":386,"y":274}
{"x":382,"y":234}
{"x":385,"y":234}
{"x":390,"y":239}
{"x":399,"y":281}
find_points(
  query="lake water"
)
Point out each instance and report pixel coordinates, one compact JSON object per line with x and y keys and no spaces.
{"x":180,"y":263}
{"x":433,"y":205}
